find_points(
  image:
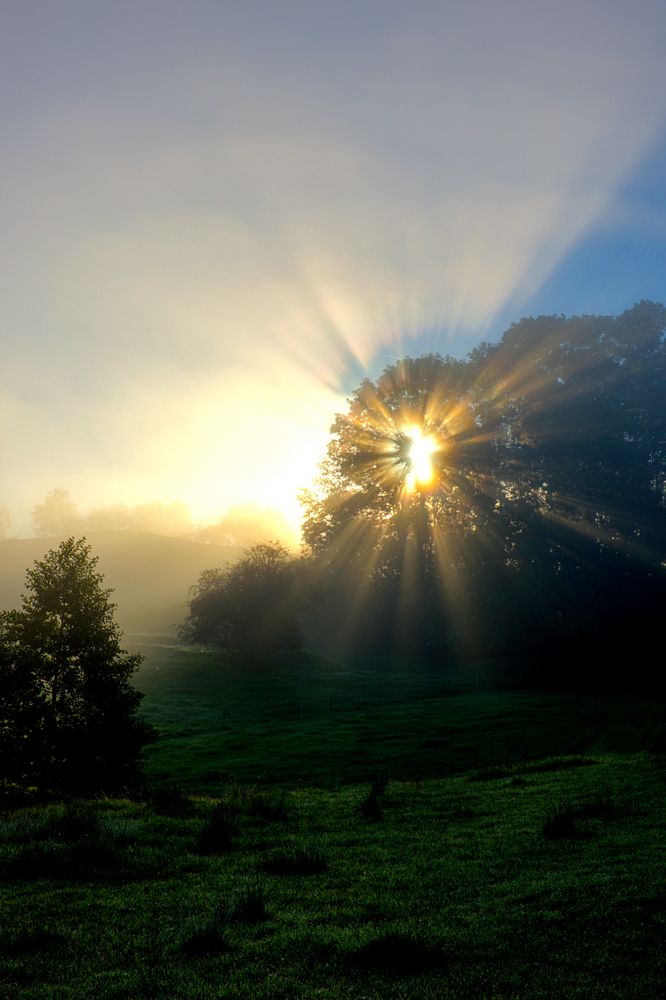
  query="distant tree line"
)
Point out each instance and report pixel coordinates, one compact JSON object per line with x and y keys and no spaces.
{"x":57,"y":515}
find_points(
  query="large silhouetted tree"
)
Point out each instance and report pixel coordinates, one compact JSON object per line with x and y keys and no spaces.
{"x":507,"y":502}
{"x":68,"y":718}
{"x":251,"y":607}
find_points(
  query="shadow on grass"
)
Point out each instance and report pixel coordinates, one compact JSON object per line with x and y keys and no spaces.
{"x":398,"y":953}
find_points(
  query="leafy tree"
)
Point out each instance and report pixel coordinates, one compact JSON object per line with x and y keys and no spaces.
{"x":251,"y":607}
{"x":503,"y":503}
{"x":56,"y":515}
{"x":67,"y":707}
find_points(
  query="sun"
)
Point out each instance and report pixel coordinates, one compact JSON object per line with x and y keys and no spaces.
{"x":420,"y":451}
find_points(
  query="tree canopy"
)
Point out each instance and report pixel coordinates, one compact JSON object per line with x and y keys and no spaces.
{"x":67,"y":707}
{"x":251,"y":607}
{"x":530,"y":475}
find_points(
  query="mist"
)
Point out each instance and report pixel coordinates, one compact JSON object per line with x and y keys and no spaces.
{"x":216,"y":223}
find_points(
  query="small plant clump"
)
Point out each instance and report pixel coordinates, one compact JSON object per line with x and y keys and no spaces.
{"x":306,"y":857}
{"x":206,"y":935}
{"x":561,"y":825}
{"x":271,"y":808}
{"x":218,"y":832}
{"x":248,"y":906}
{"x":63,"y":841}
{"x":171,"y":800}
{"x":370,"y":808}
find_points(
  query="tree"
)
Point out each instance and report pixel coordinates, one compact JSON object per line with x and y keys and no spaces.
{"x":505,"y":502}
{"x":251,"y":607}
{"x":68,"y":718}
{"x":56,"y":515}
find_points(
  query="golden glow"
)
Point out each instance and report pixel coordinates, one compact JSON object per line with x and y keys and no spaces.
{"x":421,"y":449}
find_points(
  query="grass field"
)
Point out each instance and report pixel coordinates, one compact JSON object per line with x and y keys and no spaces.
{"x":314,"y":721}
{"x":513,"y":846}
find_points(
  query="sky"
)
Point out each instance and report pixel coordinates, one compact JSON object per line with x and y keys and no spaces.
{"x":216,"y":218}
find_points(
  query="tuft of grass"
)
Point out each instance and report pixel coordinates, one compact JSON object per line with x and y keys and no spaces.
{"x":70,"y":841}
{"x":89,"y":857}
{"x":306,"y":857}
{"x":170,"y":799}
{"x":379,"y":782}
{"x":370,"y":809}
{"x":206,"y":935}
{"x":565,"y":821}
{"x":218,"y":832}
{"x":248,"y":905}
{"x":271,"y":808}
{"x":561,"y":825}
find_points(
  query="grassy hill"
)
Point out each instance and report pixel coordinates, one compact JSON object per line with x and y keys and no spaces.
{"x":150,"y":574}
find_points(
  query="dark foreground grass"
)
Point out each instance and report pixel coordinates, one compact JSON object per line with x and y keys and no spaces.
{"x":310,"y":721}
{"x":460,"y":891}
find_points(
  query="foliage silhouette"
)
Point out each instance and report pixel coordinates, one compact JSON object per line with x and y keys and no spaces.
{"x":539,"y":527}
{"x":68,"y":719}
{"x":251,"y":607}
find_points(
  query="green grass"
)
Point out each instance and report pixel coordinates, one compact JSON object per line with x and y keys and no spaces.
{"x":311,"y":721}
{"x":456,"y":893}
{"x":315,"y":831}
